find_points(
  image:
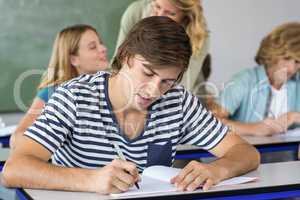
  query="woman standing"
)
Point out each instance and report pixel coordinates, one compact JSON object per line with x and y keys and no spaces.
{"x":189,"y":14}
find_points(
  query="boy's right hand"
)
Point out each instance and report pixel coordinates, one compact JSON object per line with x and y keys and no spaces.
{"x":116,"y":177}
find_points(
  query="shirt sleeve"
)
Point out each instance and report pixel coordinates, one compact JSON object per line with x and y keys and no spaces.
{"x":199,"y":126}
{"x":129,"y":18}
{"x":45,"y":93}
{"x":56,"y":121}
{"x":233,"y":93}
{"x":193,"y":79}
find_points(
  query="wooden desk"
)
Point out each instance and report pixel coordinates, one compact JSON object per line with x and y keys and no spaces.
{"x":263,"y":144}
{"x":277,"y":180}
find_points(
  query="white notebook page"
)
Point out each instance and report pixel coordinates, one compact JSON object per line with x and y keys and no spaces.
{"x":156,"y":179}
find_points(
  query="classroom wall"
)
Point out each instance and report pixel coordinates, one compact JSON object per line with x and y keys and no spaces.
{"x":236,"y":29}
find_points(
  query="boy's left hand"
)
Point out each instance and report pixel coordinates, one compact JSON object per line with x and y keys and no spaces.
{"x":197,"y":174}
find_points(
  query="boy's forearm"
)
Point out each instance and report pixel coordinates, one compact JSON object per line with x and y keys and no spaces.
{"x":240,"y":159}
{"x":30,"y":172}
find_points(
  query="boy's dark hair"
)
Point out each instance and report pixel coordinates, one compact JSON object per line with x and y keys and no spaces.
{"x":160,"y":40}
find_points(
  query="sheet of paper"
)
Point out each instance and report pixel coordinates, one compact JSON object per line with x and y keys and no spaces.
{"x":8,"y":130}
{"x":161,"y":173}
{"x":237,"y":180}
{"x":291,"y":133}
{"x":156,"y":179}
{"x":148,"y":186}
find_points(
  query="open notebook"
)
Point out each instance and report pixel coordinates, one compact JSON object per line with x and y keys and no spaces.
{"x":156,"y":179}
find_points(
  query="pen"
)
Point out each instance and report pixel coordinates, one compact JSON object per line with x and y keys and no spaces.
{"x":122,"y":157}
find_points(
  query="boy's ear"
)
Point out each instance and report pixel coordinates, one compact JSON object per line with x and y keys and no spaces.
{"x":74,"y":60}
{"x":128,"y":61}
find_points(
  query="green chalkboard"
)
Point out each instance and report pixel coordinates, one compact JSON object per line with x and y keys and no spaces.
{"x":28,"y":29}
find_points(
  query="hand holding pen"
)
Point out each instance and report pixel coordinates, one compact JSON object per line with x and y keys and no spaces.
{"x":122,"y":157}
{"x":116,"y":177}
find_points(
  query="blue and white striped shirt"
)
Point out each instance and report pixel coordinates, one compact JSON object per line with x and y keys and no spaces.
{"x":79,"y":127}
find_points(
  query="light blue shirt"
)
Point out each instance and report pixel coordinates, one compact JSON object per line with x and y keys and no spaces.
{"x":245,"y":96}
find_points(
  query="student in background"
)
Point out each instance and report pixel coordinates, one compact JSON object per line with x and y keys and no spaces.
{"x":189,"y":14}
{"x":141,"y":108}
{"x":77,"y":50}
{"x":264,"y":100}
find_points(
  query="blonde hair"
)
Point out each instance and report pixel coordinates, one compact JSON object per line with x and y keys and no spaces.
{"x":194,"y":22}
{"x":283,"y":41}
{"x":66,"y":44}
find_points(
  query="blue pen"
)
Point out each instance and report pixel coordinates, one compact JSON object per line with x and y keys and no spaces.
{"x":122,"y":157}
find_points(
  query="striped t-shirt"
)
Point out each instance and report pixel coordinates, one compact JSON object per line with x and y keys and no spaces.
{"x":79,"y":127}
